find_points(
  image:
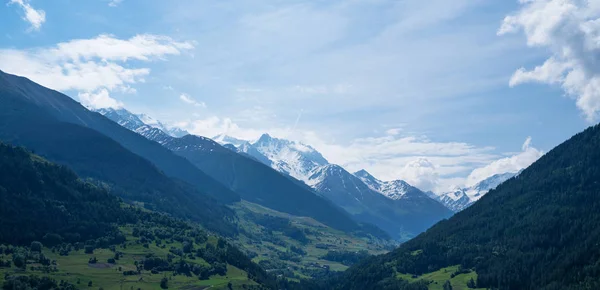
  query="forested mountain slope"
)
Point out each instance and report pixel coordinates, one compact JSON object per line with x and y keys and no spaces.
{"x":539,"y":230}
{"x":24,"y":103}
{"x":94,"y":155}
{"x":87,"y":233}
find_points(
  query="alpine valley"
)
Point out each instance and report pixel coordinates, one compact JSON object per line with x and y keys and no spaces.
{"x":399,"y":209}
{"x":300,"y":145}
{"x":99,"y":204}
{"x":113,"y":199}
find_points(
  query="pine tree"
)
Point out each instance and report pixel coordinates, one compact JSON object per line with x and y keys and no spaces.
{"x":471,"y":284}
{"x":447,"y":285}
{"x":163,"y":283}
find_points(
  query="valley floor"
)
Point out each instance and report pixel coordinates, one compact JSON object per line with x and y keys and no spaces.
{"x":76,"y":269}
{"x":273,"y":247}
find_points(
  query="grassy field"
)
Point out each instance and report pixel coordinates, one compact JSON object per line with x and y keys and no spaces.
{"x":254,"y":240}
{"x":438,"y":278}
{"x":262,"y":244}
{"x":75,"y":269}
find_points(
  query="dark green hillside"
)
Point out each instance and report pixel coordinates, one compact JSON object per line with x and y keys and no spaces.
{"x":88,"y":234}
{"x":92,"y":154}
{"x":39,"y":198}
{"x":24,"y":102}
{"x":540,"y":230}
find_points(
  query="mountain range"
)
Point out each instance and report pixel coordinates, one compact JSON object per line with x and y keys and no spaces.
{"x":251,"y":179}
{"x":395,"y":206}
{"x":248,"y":170}
{"x":137,"y":184}
{"x":142,"y":163}
{"x":300,"y":161}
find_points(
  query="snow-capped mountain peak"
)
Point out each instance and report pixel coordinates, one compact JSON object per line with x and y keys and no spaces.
{"x":290,"y":157}
{"x":458,"y":198}
{"x":396,"y":189}
{"x":172,"y":131}
{"x":367,"y":178}
{"x":122,"y":117}
{"x":319,"y":174}
{"x":264,"y":138}
{"x":149,"y":120}
{"x":135,"y":122}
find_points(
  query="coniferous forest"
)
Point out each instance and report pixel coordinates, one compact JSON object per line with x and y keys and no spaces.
{"x":539,"y":230}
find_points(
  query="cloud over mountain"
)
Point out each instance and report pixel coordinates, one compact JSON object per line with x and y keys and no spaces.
{"x":92,"y":67}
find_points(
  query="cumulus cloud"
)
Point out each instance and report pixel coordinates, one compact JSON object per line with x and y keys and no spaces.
{"x":93,"y":67}
{"x":213,"y":126}
{"x":570,"y":30}
{"x":189,"y":100}
{"x":420,"y":173}
{"x":99,"y":99}
{"x":513,"y":164}
{"x":35,"y":17}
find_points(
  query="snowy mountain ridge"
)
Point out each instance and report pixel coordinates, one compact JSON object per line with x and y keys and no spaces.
{"x":459,"y":198}
{"x":136,"y":122}
{"x":395,"y":189}
{"x":293,"y":158}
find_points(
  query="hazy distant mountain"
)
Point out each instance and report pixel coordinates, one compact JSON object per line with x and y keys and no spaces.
{"x":224,"y":139}
{"x":135,"y":121}
{"x":403,"y":217}
{"x":461,"y":198}
{"x":396,"y":189}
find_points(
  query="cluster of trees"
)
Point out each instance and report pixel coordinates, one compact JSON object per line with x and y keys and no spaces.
{"x":32,"y":282}
{"x":20,"y":256}
{"x":346,"y":257}
{"x":279,"y":224}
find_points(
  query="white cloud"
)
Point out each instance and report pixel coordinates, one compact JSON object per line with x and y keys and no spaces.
{"x":570,"y":30}
{"x":213,"y":126}
{"x":114,"y":3}
{"x":420,"y":173}
{"x":508,"y":164}
{"x":90,"y":66}
{"x":35,"y":17}
{"x":99,"y":99}
{"x":189,"y":100}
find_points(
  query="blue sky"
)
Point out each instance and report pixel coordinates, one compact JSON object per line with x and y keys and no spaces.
{"x":426,"y":91}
